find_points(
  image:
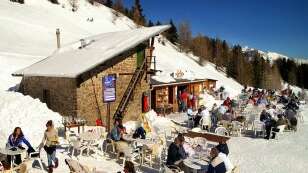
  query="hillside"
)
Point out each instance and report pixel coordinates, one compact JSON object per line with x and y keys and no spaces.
{"x":272,"y":56}
{"x":34,"y":25}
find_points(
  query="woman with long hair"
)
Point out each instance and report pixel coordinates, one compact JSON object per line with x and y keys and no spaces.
{"x":49,"y":142}
{"x":15,"y":140}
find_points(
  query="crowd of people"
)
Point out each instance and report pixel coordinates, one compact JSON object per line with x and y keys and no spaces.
{"x":219,"y":161}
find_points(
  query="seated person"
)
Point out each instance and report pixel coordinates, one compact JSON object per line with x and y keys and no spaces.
{"x":197,"y":118}
{"x":223,"y":156}
{"x":15,"y":140}
{"x":217,"y":165}
{"x":223,"y":147}
{"x":268,"y":121}
{"x":227,"y":116}
{"x":279,"y":122}
{"x":116,"y":133}
{"x":174,"y":153}
{"x":183,"y":153}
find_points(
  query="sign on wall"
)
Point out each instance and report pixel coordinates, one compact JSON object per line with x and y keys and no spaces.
{"x":109,"y":89}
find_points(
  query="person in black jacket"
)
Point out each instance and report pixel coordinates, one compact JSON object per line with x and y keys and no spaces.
{"x":174,"y":152}
{"x":223,"y":147}
{"x":268,"y":121}
{"x":217,"y":165}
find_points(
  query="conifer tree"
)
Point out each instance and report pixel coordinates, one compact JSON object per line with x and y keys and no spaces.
{"x":150,"y":23}
{"x":118,"y":6}
{"x":158,"y":23}
{"x":172,"y":33}
{"x":138,"y":17}
{"x":108,"y":3}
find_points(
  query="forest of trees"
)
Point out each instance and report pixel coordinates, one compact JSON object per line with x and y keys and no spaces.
{"x":248,"y":68}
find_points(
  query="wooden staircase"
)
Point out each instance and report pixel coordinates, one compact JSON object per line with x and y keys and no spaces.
{"x":137,"y":76}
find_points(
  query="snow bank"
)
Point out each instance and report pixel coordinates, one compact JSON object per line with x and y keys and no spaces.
{"x":288,"y":154}
{"x":28,"y":113}
{"x":158,"y":124}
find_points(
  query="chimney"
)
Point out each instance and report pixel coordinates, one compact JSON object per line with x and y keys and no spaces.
{"x":58,"y":38}
{"x":82,"y":43}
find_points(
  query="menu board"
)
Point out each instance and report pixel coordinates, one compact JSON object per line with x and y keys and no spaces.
{"x":109,"y":88}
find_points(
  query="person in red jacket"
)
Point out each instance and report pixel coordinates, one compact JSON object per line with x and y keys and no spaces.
{"x":228,"y":103}
{"x":184,"y":98}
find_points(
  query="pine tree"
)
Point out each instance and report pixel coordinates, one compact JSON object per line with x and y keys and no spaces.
{"x":172,"y":33}
{"x":138,"y":17}
{"x":150,"y":23}
{"x":158,"y":23}
{"x":108,"y":3}
{"x":118,"y":6}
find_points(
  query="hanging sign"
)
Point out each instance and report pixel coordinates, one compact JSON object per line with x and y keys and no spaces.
{"x":109,"y":88}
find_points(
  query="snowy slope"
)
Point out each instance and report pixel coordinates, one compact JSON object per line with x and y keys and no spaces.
{"x":272,"y":56}
{"x":36,"y":37}
{"x":169,"y":60}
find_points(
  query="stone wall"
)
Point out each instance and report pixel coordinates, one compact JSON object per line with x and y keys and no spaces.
{"x":62,"y":92}
{"x":83,"y":97}
{"x":90,"y":95}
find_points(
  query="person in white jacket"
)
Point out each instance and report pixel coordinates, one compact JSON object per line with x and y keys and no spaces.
{"x":206,"y":118}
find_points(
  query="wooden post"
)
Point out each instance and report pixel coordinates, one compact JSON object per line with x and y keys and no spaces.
{"x":58,"y":38}
{"x":108,"y":117}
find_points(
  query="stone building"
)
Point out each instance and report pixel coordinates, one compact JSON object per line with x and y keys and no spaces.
{"x":70,"y":81}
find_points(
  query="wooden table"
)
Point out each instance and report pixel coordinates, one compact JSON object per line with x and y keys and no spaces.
{"x":207,"y":135}
{"x":69,"y":126}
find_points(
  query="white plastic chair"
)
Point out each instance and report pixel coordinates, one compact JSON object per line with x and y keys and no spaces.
{"x":258,"y":126}
{"x":280,"y":132}
{"x":77,"y":146}
{"x":205,"y":121}
{"x":237,"y":127}
{"x":35,"y":156}
{"x":221,"y":131}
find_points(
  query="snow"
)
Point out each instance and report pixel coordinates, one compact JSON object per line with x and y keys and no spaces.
{"x":273,"y":56}
{"x":28,"y":36}
{"x":96,"y":50}
{"x":17,"y":110}
{"x":169,"y":60}
{"x":287,"y":154}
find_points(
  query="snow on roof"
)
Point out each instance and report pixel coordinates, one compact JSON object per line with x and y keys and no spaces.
{"x":170,"y":61}
{"x":73,"y":60}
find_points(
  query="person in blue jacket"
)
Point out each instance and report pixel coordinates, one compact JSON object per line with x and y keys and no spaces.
{"x":15,"y":140}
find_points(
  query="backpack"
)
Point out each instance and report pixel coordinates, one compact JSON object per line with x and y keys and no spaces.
{"x":139,"y":133}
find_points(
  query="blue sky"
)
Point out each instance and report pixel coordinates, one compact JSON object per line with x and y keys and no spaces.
{"x":270,"y":25}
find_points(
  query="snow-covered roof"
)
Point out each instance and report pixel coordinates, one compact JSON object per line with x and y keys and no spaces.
{"x":73,"y":60}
